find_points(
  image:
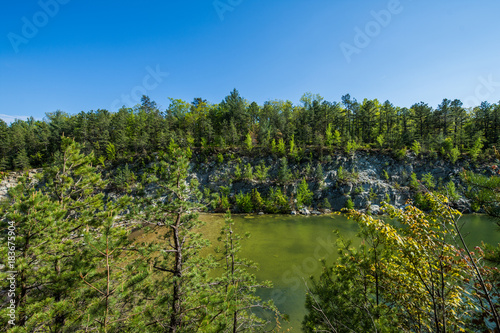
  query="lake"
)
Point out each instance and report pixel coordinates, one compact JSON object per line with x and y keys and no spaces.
{"x":288,"y":249}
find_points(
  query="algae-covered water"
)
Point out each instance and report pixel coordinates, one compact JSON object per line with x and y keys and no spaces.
{"x":288,"y":250}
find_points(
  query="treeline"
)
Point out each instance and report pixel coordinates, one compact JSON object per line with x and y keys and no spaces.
{"x":447,"y":131}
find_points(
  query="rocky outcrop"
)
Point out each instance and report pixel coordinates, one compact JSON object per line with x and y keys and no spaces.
{"x":365,"y":178}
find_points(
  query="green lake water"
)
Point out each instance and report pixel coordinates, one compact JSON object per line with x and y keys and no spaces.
{"x":288,"y":250}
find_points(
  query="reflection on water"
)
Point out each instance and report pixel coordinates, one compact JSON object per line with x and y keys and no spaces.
{"x":288,"y":250}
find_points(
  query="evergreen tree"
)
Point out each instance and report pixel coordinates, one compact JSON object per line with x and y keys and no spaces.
{"x":237,"y":289}
{"x":181,"y":303}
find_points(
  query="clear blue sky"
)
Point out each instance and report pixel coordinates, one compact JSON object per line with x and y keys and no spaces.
{"x":88,"y":54}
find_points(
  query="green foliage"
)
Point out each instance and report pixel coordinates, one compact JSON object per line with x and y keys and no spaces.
{"x":390,"y":282}
{"x":284,"y":173}
{"x":341,"y":176}
{"x":277,"y":202}
{"x":236,"y":289}
{"x":244,"y":202}
{"x":326,"y":204}
{"x":349,"y":125}
{"x":401,"y":154}
{"x":318,"y":173}
{"x":380,"y":141}
{"x":248,"y":142}
{"x":475,"y":150}
{"x":416,"y":147}
{"x":337,"y":138}
{"x":483,"y":192}
{"x":248,"y":172}
{"x":124,"y":178}
{"x":447,"y":145}
{"x":304,"y":195}
{"x":293,"y":152}
{"x":261,"y":171}
{"x":329,"y":136}
{"x":414,"y":184}
{"x":351,"y":147}
{"x":280,"y":149}
{"x":21,"y":161}
{"x":428,"y":181}
{"x":257,"y":200}
{"x":220,"y":158}
{"x":274,"y":149}
{"x":111,"y":151}
{"x":453,"y":155}
{"x":385,"y":174}
{"x":349,"y":204}
{"x":237,"y":172}
{"x":451,"y":191}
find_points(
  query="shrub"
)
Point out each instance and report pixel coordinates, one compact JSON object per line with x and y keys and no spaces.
{"x":349,"y":204}
{"x":244,"y":202}
{"x":277,"y":202}
{"x":454,"y":154}
{"x":326,"y":204}
{"x":414,"y":184}
{"x":451,"y":191}
{"x":237,"y":172}
{"x":261,"y":171}
{"x":284,"y":174}
{"x":304,"y":195}
{"x":401,"y":154}
{"x":318,"y":174}
{"x":257,"y":200}
{"x":416,"y":147}
{"x":247,"y":174}
{"x":428,"y":181}
{"x":124,"y":178}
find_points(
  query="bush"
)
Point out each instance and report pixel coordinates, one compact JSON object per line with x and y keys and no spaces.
{"x":237,"y":172}
{"x":428,"y":181}
{"x":277,"y":202}
{"x":261,"y":171}
{"x":248,"y":173}
{"x":124,"y":178}
{"x":401,"y":154}
{"x":416,"y":147}
{"x":414,"y":184}
{"x":349,"y":204}
{"x":451,"y":191}
{"x":318,"y":175}
{"x":454,"y":155}
{"x":304,"y":195}
{"x":284,"y":174}
{"x":326,"y":204}
{"x":244,"y":202}
{"x":257,"y":200}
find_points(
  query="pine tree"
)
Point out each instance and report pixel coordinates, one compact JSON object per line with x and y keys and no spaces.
{"x":236,"y":289}
{"x":181,"y":284}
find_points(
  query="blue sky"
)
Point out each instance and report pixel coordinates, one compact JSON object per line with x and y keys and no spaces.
{"x":86,"y":55}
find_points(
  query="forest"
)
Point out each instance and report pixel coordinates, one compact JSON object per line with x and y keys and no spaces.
{"x":448,"y":131}
{"x":71,"y":263}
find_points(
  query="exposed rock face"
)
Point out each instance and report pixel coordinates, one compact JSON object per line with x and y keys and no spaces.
{"x":365,"y":178}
